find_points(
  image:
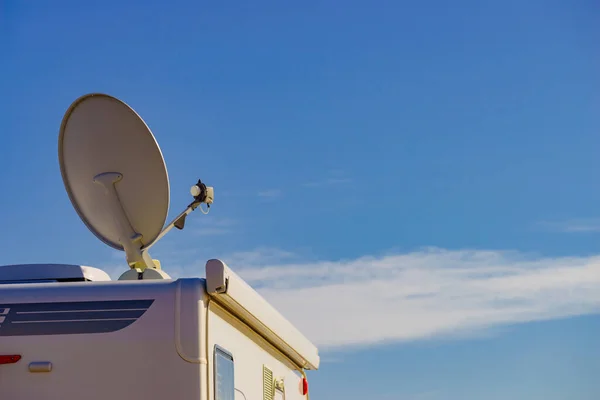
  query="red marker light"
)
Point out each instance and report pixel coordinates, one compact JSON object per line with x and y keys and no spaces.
{"x":304,"y":386}
{"x":9,"y":359}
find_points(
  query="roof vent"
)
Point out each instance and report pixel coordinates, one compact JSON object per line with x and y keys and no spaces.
{"x":39,"y":273}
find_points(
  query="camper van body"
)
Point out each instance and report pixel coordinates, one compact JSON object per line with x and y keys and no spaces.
{"x":76,"y":334}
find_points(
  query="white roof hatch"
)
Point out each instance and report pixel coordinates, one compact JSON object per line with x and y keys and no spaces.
{"x":32,"y":273}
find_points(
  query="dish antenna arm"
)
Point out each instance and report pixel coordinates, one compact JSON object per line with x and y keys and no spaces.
{"x":202,"y":194}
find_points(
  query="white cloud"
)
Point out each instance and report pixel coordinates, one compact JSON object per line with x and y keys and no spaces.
{"x":430,"y":293}
{"x":260,"y":256}
{"x":333,"y":177}
{"x":210,"y":226}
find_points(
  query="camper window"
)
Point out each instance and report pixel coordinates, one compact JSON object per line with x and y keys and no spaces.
{"x":224,"y":383}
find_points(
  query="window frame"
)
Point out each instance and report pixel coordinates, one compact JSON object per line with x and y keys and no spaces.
{"x":227,"y":356}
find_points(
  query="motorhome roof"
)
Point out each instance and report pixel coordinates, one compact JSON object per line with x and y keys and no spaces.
{"x":22,"y":273}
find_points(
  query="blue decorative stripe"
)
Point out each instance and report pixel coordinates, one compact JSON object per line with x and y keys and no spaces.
{"x":65,"y":318}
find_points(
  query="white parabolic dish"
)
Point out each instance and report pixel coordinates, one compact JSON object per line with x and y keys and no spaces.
{"x":100,"y":134}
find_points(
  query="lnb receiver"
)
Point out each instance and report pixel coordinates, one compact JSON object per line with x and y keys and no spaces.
{"x":202,"y":193}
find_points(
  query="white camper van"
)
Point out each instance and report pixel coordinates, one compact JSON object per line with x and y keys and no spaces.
{"x":70,"y":332}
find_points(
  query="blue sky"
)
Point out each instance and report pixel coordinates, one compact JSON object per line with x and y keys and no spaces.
{"x":414,"y":184}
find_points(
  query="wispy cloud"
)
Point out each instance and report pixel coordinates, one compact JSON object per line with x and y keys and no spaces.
{"x":427,"y":395}
{"x":270,"y":193}
{"x":260,"y":256}
{"x":331,"y":178}
{"x":214,"y":226}
{"x":572,"y":226}
{"x":424,"y":294}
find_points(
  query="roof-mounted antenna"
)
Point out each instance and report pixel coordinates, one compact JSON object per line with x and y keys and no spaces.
{"x":117,"y":181}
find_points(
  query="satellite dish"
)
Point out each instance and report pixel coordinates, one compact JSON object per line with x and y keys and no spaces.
{"x":116,"y":178}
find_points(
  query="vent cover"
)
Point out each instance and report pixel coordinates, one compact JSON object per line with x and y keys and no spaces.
{"x":268,"y":384}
